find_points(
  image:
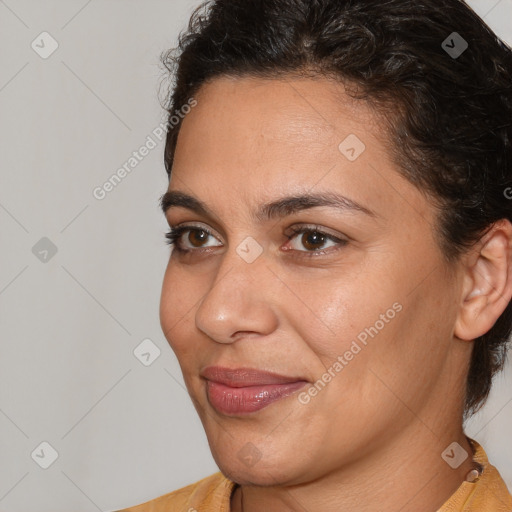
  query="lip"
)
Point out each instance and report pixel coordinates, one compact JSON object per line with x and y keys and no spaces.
{"x":240,"y":391}
{"x":244,"y":377}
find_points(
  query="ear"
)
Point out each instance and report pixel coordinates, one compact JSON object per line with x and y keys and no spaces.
{"x":487,"y":285}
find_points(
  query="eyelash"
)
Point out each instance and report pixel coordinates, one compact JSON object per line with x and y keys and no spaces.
{"x":175,"y":234}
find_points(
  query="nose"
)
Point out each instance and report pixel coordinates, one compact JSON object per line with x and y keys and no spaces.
{"x":239,"y":301}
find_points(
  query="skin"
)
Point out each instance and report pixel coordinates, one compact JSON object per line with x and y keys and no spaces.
{"x":372,"y":438}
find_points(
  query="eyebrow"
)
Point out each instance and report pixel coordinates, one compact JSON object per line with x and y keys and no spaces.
{"x":274,"y":209}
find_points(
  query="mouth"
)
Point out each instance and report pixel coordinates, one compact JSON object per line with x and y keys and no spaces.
{"x":242,"y":391}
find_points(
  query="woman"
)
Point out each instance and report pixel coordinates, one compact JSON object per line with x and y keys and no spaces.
{"x":339,"y":289}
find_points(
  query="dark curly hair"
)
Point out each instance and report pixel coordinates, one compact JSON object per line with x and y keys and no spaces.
{"x":449,"y":116}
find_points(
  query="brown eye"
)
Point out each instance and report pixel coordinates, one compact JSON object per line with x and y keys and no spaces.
{"x":197,"y":237}
{"x":190,"y":238}
{"x":313,"y":240}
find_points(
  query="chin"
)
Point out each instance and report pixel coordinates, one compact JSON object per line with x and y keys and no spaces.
{"x":265,"y":466}
{"x":259,"y":474}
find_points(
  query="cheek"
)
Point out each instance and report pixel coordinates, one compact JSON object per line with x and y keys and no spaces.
{"x":370,"y":323}
{"x":342,"y":307}
{"x":178,"y":296}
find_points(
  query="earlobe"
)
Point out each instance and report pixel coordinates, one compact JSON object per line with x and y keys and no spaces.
{"x":487,"y":287}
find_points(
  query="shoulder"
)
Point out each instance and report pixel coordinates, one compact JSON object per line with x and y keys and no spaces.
{"x":210,"y":493}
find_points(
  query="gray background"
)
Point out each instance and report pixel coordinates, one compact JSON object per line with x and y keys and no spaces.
{"x":70,"y":321}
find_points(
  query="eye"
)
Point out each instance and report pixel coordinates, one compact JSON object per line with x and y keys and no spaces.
{"x":189,"y":238}
{"x":313,"y":240}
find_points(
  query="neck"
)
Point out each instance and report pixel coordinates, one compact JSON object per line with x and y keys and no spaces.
{"x":407,"y":474}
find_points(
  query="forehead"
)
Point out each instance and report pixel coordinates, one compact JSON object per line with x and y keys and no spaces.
{"x":284,"y":111}
{"x":249,"y":137}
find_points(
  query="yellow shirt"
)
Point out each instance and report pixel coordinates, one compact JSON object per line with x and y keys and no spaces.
{"x":212,"y":494}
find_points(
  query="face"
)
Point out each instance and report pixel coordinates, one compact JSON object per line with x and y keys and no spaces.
{"x":343,"y":293}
